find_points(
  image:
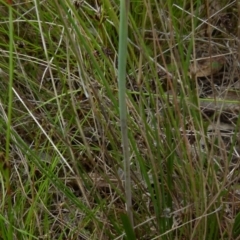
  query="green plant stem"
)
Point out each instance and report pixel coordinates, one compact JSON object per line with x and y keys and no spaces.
{"x":9,"y":120}
{"x":122,"y":54}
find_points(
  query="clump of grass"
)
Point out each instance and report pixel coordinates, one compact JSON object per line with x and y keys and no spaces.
{"x":61,"y":145}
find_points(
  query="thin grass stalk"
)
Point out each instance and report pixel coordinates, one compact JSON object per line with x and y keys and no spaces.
{"x":6,"y":165}
{"x":122,"y":62}
{"x":10,"y":96}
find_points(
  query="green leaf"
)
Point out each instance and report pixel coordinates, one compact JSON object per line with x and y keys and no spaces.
{"x":236,"y":226}
{"x":130,"y":235}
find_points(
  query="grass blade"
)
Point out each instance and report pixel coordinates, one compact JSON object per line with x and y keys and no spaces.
{"x":122,"y":62}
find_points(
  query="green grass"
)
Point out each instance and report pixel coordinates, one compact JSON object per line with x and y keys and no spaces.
{"x":104,"y":131}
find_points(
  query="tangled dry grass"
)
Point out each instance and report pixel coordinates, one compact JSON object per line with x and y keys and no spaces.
{"x":183,"y":105}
